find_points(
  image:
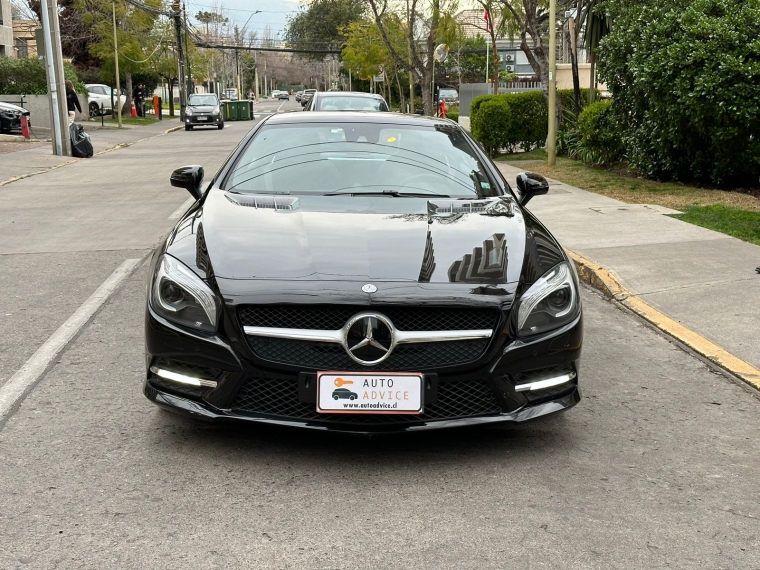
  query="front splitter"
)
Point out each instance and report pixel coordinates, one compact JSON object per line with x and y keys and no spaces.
{"x":204,"y":411}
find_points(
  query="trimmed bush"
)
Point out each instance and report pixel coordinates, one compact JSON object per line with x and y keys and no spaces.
{"x":453,"y":113}
{"x":685,"y":79}
{"x":599,"y":135}
{"x":529,"y":120}
{"x":491,"y":123}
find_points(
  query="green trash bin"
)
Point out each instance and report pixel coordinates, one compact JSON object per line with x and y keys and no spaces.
{"x":242,"y":111}
{"x":230,"y":111}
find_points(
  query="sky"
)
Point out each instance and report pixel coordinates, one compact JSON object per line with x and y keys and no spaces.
{"x":274,"y":13}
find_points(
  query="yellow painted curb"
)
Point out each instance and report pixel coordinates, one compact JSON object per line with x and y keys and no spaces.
{"x":601,"y":279}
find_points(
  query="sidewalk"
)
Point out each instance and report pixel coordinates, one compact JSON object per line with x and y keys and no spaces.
{"x":700,"y":278}
{"x":40,"y":157}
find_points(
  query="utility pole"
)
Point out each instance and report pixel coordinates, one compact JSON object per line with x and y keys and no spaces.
{"x":116,"y":62}
{"x":552,"y":138}
{"x":180,"y":60}
{"x":55,"y":94}
{"x":55,"y":40}
{"x":190,"y":84}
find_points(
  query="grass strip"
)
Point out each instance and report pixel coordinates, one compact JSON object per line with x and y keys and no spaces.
{"x":731,"y":221}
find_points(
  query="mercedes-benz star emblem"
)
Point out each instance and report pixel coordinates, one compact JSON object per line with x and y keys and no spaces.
{"x":369,"y":288}
{"x":368,"y":338}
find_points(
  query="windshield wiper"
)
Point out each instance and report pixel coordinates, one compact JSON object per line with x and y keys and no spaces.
{"x":392,"y":193}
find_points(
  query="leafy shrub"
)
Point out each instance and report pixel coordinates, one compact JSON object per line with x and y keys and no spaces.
{"x":453,"y":113}
{"x":529,"y":120}
{"x":491,"y":123}
{"x":684,"y":78}
{"x":599,"y":136}
{"x":27,"y":76}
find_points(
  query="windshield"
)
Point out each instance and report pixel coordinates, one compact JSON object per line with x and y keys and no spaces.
{"x":202,"y":100}
{"x":448,"y":93}
{"x":345,"y":103}
{"x":360,"y":158}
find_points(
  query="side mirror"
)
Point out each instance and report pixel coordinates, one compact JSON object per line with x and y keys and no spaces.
{"x":531,"y":184}
{"x":189,"y":178}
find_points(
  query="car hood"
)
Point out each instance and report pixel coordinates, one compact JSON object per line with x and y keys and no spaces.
{"x":345,"y":238}
{"x":202,"y":108}
{"x":11,"y":107}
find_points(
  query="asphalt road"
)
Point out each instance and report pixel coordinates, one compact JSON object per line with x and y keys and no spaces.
{"x":655,"y":468}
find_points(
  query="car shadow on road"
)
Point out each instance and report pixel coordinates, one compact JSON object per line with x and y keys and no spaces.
{"x":257,"y":442}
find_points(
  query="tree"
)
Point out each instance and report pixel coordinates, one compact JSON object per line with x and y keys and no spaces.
{"x":423,"y":31}
{"x":597,"y":23}
{"x":137,"y":44}
{"x":77,"y":34}
{"x":322,"y":24}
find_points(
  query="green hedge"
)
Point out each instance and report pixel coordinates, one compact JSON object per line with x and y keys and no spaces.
{"x":27,"y":76}
{"x":528,"y":123}
{"x":492,"y":124}
{"x":599,"y":135}
{"x":685,"y":80}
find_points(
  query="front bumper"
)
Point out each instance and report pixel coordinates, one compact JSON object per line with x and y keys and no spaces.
{"x":201,"y":120}
{"x":489,"y":390}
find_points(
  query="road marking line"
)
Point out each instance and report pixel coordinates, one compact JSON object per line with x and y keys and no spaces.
{"x":24,"y":380}
{"x":177,"y":214}
{"x":600,"y":278}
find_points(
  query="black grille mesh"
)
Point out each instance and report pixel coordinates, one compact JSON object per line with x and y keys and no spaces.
{"x":333,"y":317}
{"x":327,"y":356}
{"x":280,"y":398}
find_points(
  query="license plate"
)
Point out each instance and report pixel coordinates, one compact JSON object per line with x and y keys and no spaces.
{"x":203,"y":118}
{"x":377,"y":393}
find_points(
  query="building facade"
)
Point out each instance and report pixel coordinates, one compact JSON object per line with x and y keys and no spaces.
{"x":6,"y":29}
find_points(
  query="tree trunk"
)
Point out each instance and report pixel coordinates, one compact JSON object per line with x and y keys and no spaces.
{"x":126,"y":111}
{"x":574,"y":66}
{"x":592,"y":79}
{"x":171,"y":97}
{"x":401,"y":96}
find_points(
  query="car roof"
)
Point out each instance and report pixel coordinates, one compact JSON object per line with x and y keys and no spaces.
{"x":351,"y":94}
{"x":295,"y":117}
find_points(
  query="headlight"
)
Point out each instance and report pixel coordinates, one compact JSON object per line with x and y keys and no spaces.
{"x":180,"y":296}
{"x":188,"y":111}
{"x":215,"y":111}
{"x":551,"y":302}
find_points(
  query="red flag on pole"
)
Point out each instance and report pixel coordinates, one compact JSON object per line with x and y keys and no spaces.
{"x":487,"y":18}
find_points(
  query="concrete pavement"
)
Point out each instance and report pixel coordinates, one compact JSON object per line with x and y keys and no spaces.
{"x":703,"y":279}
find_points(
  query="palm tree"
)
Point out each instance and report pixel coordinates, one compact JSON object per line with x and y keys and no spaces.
{"x":598,"y":24}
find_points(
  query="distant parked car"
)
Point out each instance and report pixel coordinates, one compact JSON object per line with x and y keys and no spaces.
{"x":283,"y":95}
{"x":231,"y":94}
{"x":306,"y":96}
{"x":298,"y":95}
{"x":99,"y":98}
{"x":10,"y":117}
{"x":451,"y":96}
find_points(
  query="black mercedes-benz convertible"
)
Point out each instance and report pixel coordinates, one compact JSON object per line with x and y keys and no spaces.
{"x":362,"y":272}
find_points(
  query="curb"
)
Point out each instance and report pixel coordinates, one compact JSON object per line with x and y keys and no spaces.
{"x":601,"y":279}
